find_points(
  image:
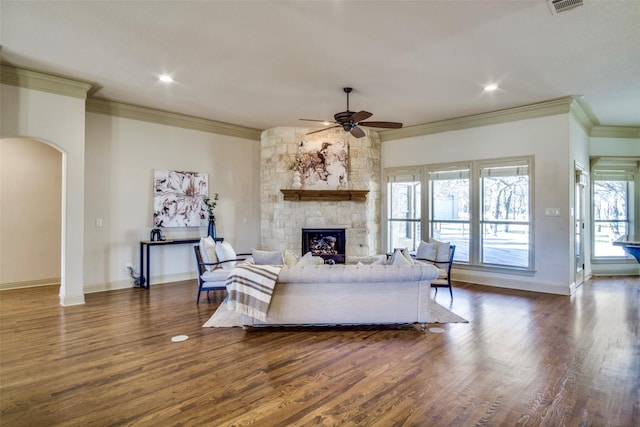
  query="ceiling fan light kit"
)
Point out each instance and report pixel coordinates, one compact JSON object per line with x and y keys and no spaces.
{"x":350,"y":120}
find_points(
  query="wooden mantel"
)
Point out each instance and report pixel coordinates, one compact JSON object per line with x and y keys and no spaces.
{"x":325,"y":195}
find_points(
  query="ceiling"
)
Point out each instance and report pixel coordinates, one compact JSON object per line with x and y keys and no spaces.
{"x":263,"y":64}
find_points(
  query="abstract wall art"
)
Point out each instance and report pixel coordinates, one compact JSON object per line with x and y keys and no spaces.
{"x":323,"y":165}
{"x":178,"y":198}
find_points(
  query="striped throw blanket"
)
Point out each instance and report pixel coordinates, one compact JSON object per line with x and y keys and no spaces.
{"x":250,"y":287}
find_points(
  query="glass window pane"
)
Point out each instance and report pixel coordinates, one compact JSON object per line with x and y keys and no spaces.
{"x":404,"y":207}
{"x":505,"y":198}
{"x":404,"y":234}
{"x":505,"y":244}
{"x":605,"y":233}
{"x":404,"y":200}
{"x":450,"y":199}
{"x":449,"y":219}
{"x":610,"y":200}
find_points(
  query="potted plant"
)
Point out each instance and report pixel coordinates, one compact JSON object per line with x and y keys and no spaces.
{"x":211,"y":205}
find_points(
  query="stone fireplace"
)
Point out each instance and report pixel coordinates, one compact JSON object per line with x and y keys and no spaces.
{"x":282,"y":220}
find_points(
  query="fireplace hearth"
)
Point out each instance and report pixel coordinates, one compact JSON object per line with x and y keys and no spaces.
{"x":328,"y":243}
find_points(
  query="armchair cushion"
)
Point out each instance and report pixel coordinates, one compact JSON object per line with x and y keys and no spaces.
{"x":208,"y":252}
{"x":225,"y":252}
{"x":426,"y":250}
{"x":218,"y":275}
{"x":442,"y":250}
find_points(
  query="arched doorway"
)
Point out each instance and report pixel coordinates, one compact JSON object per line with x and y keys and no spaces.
{"x":31,"y":213}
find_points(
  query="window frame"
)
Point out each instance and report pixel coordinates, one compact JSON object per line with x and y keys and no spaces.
{"x":628,"y":169}
{"x":475,"y":208}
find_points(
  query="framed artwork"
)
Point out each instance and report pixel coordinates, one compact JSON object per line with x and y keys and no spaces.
{"x":178,"y":198}
{"x":323,"y":165}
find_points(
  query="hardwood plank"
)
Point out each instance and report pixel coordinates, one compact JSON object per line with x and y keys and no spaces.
{"x":523,"y":359}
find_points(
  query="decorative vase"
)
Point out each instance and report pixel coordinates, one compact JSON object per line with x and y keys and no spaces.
{"x":297,"y":183}
{"x":212,"y":226}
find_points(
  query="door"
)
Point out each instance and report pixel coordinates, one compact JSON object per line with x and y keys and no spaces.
{"x":578,"y":209}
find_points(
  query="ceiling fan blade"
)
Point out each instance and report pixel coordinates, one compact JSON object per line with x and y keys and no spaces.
{"x":322,"y":130}
{"x":357,"y":132}
{"x":390,"y":125}
{"x":360,"y":115}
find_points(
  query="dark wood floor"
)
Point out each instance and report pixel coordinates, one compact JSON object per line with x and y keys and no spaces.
{"x":524,"y":359}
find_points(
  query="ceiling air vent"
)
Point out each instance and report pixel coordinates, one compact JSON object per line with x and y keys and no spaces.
{"x":558,"y":6}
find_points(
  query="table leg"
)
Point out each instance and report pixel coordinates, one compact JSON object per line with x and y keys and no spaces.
{"x":148,"y":262}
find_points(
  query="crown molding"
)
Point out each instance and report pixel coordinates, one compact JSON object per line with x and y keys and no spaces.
{"x":30,"y":79}
{"x":615,"y":132}
{"x":540,"y":109}
{"x":583,"y":114}
{"x":576,"y":105}
{"x":136,"y":112}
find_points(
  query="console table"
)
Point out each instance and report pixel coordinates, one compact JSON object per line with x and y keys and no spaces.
{"x":144,"y":266}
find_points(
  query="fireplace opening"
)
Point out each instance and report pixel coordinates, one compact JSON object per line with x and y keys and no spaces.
{"x":328,"y":243}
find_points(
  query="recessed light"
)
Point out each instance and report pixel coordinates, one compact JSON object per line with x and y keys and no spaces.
{"x":166,"y":78}
{"x":490,"y":87}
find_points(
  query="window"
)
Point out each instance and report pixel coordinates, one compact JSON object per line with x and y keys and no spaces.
{"x":404,"y":210}
{"x":614,"y":183}
{"x":504,"y":193}
{"x":449,"y":208}
{"x":483,"y":207}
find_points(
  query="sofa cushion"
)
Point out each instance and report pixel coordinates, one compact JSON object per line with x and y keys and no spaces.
{"x":366,"y":260}
{"x":344,"y":273}
{"x":267,"y":257}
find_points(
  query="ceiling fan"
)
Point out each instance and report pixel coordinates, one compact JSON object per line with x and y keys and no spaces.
{"x":349,"y":120}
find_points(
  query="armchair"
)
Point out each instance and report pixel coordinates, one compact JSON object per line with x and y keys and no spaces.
{"x":214,"y":266}
{"x":444,"y":271}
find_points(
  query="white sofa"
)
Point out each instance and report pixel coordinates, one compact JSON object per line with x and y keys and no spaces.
{"x":344,"y":294}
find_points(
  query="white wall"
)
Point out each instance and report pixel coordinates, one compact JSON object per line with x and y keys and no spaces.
{"x":59,"y":121}
{"x":547,"y":139}
{"x":121,"y":155}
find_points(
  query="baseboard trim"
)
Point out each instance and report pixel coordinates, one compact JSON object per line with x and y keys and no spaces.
{"x":30,"y":283}
{"x":510,"y":283}
{"x":125,"y":284}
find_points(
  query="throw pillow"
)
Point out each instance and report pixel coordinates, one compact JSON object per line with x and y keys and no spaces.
{"x":442,"y":250}
{"x":290,"y":258}
{"x":266,"y":257}
{"x":426,"y":250}
{"x":309,"y":259}
{"x":398,"y":258}
{"x":225,"y":252}
{"x":208,"y":252}
{"x":405,"y":253}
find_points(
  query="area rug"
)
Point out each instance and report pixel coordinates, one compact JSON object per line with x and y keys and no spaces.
{"x":223,"y":318}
